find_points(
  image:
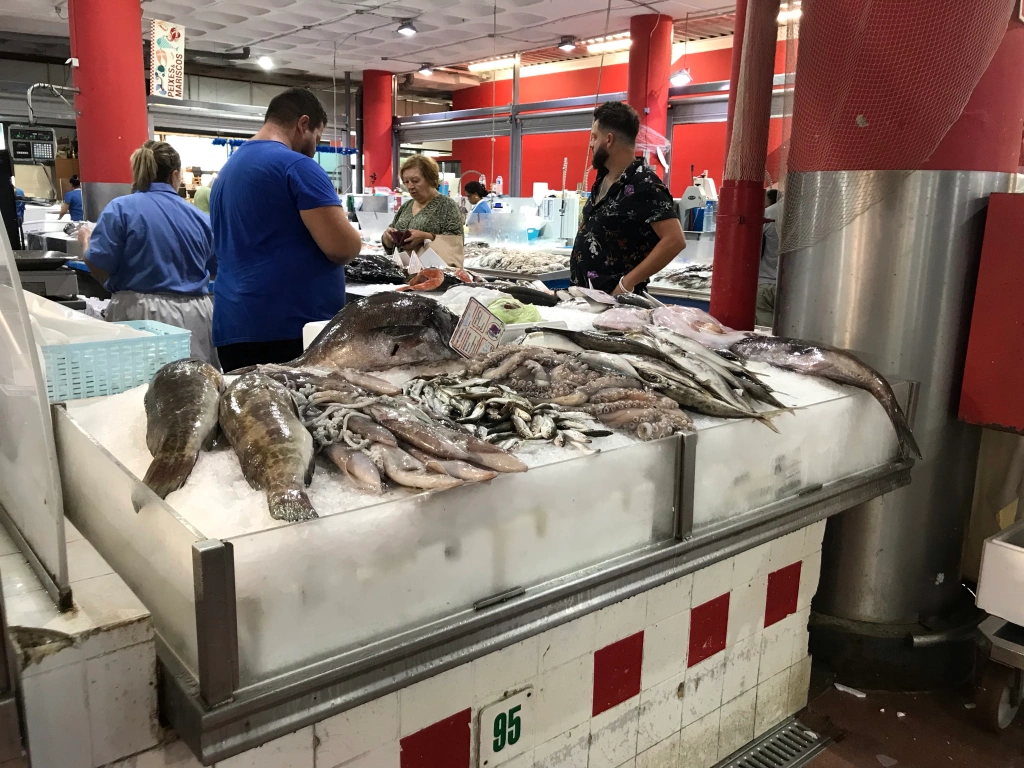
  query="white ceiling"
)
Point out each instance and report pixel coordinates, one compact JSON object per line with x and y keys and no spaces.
{"x":305,"y":35}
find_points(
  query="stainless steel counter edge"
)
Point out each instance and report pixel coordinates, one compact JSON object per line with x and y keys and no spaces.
{"x":309,"y":695}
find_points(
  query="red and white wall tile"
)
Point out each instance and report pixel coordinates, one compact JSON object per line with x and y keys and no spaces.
{"x":684,"y":674}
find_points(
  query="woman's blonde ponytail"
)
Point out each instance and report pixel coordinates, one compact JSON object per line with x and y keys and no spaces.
{"x":153,"y":162}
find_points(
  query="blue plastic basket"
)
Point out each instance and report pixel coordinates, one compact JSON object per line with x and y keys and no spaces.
{"x":90,"y":369}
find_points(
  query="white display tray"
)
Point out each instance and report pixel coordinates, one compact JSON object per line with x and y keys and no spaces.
{"x":560,"y":274}
{"x":665,"y":289}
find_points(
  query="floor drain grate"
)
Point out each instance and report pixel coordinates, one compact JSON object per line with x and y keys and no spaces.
{"x":789,"y":745}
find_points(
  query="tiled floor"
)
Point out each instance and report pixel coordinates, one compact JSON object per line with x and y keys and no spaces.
{"x":904,"y":730}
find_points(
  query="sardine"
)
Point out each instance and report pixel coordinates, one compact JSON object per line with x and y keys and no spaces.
{"x":838,"y":365}
{"x":181,"y":419}
{"x":356,"y":467}
{"x":274,"y":449}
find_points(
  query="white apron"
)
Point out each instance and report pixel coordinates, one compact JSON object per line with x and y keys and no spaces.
{"x":192,"y":313}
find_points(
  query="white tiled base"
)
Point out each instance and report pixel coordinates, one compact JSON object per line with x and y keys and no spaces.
{"x":683,"y":715}
{"x":88,"y":676}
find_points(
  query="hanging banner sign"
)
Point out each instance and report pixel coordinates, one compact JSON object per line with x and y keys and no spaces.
{"x":167,"y":59}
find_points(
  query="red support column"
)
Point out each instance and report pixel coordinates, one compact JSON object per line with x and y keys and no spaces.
{"x":741,"y":201}
{"x":650,"y":66}
{"x":734,"y":72}
{"x":377,"y":137}
{"x":111,"y":102}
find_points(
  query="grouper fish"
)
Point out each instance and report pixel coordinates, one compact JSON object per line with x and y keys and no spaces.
{"x":181,"y":419}
{"x":274,"y":449}
{"x":382,"y":331}
{"x":814,"y":359}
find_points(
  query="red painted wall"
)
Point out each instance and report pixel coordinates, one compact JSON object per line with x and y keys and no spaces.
{"x":702,"y":145}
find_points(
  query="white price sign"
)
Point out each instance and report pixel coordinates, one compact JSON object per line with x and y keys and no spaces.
{"x":507,"y":728}
{"x":478,"y":332}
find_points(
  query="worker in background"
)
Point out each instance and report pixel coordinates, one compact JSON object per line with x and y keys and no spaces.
{"x":19,"y":205}
{"x":281,"y":237}
{"x":202,"y":197}
{"x":154,"y":252}
{"x":73,"y":201}
{"x":769,"y":271}
{"x":476,"y":193}
{"x":630,"y":229}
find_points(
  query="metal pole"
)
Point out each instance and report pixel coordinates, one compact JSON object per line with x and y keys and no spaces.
{"x":515,"y":149}
{"x":347,"y":142}
{"x":213,"y":572}
{"x":395,"y":148}
{"x":359,"y":141}
{"x":345,"y":163}
{"x":686,"y":457}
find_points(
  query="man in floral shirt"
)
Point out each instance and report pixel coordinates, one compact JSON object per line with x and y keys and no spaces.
{"x":630,"y":229}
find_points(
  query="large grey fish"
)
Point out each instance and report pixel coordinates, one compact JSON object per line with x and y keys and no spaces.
{"x":181,"y":419}
{"x":385,"y":330}
{"x":275,"y":450}
{"x":834,"y":364}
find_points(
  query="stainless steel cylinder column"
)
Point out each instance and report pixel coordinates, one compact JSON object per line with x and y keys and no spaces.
{"x":895,"y":286}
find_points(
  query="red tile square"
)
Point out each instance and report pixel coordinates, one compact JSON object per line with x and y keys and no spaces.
{"x":783,"y":593}
{"x":709,"y":624}
{"x":444,"y":744}
{"x":617,"y":672}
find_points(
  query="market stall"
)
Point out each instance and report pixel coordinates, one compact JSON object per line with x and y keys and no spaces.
{"x":449,"y":605}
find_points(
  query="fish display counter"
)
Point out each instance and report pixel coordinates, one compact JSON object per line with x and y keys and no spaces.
{"x":686,"y":280}
{"x":530,"y":522}
{"x":546,"y":262}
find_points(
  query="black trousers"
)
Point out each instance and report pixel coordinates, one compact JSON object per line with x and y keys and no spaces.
{"x":235,"y":356}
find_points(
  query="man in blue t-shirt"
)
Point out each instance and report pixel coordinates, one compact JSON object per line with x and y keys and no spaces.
{"x":73,"y":201}
{"x":281,"y":238}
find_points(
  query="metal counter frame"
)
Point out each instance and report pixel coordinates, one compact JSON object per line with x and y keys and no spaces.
{"x":218,"y":720}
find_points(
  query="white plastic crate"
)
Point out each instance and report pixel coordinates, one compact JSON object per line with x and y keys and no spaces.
{"x":91,"y":369}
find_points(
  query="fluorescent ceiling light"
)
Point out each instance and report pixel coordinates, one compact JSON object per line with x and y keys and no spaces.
{"x":681,"y":78}
{"x":567,"y":44}
{"x":493,"y":64}
{"x":426,"y":70}
{"x":407,"y":28}
{"x":265,"y":62}
{"x":610,"y":46}
{"x":789,"y":12}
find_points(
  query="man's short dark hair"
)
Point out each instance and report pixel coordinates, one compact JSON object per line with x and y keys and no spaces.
{"x":619,"y":118}
{"x":772,"y":196}
{"x":476,"y":188}
{"x":288,"y":106}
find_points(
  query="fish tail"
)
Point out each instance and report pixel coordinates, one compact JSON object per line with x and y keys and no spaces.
{"x":291,"y":505}
{"x":767,"y":418}
{"x":168,"y":472}
{"x":905,"y":435}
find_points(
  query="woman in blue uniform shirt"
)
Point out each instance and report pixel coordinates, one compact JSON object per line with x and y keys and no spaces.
{"x":154,"y":252}
{"x":73,"y":201}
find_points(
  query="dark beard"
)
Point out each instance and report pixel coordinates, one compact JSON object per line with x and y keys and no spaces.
{"x":600,"y":159}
